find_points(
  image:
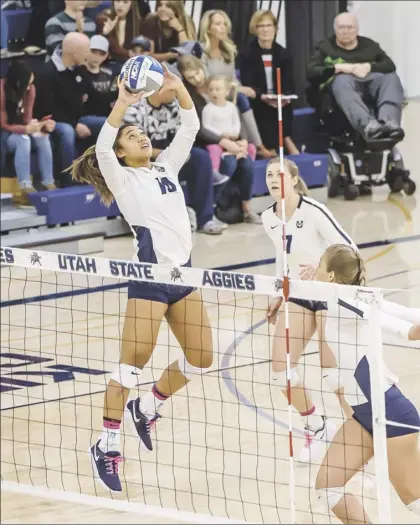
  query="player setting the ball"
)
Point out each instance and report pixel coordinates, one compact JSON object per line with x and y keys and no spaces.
{"x":151,"y":199}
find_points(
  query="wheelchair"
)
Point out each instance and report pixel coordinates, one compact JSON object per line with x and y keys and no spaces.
{"x":355,"y":164}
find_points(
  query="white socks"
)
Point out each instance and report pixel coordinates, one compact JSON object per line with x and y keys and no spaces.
{"x":110,"y":439}
{"x":150,"y":404}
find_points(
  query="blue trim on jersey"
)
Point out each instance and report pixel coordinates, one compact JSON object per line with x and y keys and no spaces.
{"x":332,"y":221}
{"x":360,"y":313}
{"x":362,"y":376}
{"x":145,"y":252}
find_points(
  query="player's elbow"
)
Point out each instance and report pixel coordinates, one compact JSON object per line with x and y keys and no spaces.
{"x":414,"y":333}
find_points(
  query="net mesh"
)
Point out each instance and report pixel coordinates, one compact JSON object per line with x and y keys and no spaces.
{"x":222,"y":446}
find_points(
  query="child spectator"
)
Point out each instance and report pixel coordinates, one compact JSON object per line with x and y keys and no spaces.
{"x":222,"y":118}
{"x":102,"y":78}
{"x":141,"y":45}
{"x":67,"y":21}
{"x":20,"y":131}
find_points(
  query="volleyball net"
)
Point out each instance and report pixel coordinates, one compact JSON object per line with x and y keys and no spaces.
{"x":228,"y":446}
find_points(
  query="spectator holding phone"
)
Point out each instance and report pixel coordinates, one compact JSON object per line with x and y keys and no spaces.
{"x":20,"y":131}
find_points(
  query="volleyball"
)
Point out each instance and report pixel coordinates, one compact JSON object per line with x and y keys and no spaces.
{"x":143,"y":73}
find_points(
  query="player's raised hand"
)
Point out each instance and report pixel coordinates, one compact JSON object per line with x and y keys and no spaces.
{"x":307,"y":272}
{"x":273,"y":309}
{"x":171,"y":82}
{"x":126,"y":96}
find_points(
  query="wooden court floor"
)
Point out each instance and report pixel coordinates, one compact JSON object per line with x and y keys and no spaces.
{"x":221,"y":447}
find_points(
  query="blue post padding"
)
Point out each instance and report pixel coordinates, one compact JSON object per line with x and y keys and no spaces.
{"x":76,"y":203}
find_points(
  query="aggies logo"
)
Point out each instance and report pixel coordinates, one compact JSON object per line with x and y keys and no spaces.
{"x":176,"y":275}
{"x":35,"y":259}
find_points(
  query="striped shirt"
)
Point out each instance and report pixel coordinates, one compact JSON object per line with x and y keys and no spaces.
{"x":59,"y":25}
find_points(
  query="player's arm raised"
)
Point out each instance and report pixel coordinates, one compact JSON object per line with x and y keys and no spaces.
{"x":177,"y":153}
{"x":107,"y":160}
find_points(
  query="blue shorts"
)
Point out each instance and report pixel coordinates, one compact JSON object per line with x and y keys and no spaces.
{"x":313,"y":306}
{"x":159,"y":292}
{"x":397,"y":408}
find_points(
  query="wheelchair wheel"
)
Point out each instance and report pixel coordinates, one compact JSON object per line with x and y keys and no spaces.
{"x":395,"y":179}
{"x":335,"y":181}
{"x":351,"y":192}
{"x":409,"y":187}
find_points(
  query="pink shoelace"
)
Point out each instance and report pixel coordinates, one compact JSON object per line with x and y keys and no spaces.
{"x":308,"y":439}
{"x":112,"y":464}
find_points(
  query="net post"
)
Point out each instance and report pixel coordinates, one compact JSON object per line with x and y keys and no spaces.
{"x":378,"y":388}
{"x":285,"y":278}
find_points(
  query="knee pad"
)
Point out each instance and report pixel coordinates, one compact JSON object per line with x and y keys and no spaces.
{"x":332,"y":378}
{"x":330,"y":496}
{"x":189,"y":371}
{"x":415,"y":506}
{"x":127,"y":376}
{"x":280,"y":378}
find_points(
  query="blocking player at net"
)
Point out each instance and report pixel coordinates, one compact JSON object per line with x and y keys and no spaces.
{"x":352,"y":446}
{"x":151,"y":200}
{"x":310,"y":229}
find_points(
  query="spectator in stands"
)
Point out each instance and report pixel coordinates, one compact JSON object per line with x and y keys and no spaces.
{"x":63,"y":87}
{"x":239,"y":170}
{"x":103,"y":81}
{"x":70,"y":20}
{"x":158,"y":116}
{"x":258,"y":65}
{"x":222,"y":118}
{"x":120,"y":24}
{"x":141,"y":45}
{"x":219,"y":52}
{"x":359,"y":74}
{"x":169,"y":27}
{"x":20,"y":131}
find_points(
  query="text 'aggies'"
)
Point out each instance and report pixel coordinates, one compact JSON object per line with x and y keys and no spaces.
{"x":231,"y":281}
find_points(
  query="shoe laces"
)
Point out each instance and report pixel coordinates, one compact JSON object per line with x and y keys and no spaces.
{"x":309,"y":437}
{"x":112,"y":463}
{"x":151,"y":423}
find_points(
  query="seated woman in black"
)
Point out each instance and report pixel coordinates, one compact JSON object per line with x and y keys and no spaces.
{"x":258,"y":66}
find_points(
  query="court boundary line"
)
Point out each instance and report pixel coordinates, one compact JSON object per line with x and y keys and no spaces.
{"x":116,"y":504}
{"x":230,"y":267}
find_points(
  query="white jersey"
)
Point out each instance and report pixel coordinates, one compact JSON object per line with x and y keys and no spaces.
{"x":309,"y":232}
{"x":152,"y":200}
{"x":347,"y":334}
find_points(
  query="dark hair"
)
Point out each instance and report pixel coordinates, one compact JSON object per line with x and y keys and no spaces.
{"x":86,"y":169}
{"x":17,"y":81}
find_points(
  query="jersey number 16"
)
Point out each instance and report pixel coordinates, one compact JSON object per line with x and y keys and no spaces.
{"x":165,"y":185}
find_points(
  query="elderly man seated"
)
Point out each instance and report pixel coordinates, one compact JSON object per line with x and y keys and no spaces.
{"x":362,"y":79}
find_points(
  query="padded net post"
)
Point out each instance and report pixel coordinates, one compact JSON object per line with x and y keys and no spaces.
{"x":378,"y":388}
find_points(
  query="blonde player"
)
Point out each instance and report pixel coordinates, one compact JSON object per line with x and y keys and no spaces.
{"x":347,"y":333}
{"x":310,"y":229}
{"x":152,"y":202}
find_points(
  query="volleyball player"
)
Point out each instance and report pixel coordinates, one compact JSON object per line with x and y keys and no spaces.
{"x":352,"y":446}
{"x":310,"y":229}
{"x":152,"y":202}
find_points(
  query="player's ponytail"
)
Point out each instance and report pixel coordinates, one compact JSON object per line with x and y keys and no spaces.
{"x":300,"y":186}
{"x":85,"y":169}
{"x":346,"y":263}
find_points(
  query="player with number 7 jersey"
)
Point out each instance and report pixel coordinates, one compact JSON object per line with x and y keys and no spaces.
{"x":310,"y":230}
{"x":151,"y":199}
